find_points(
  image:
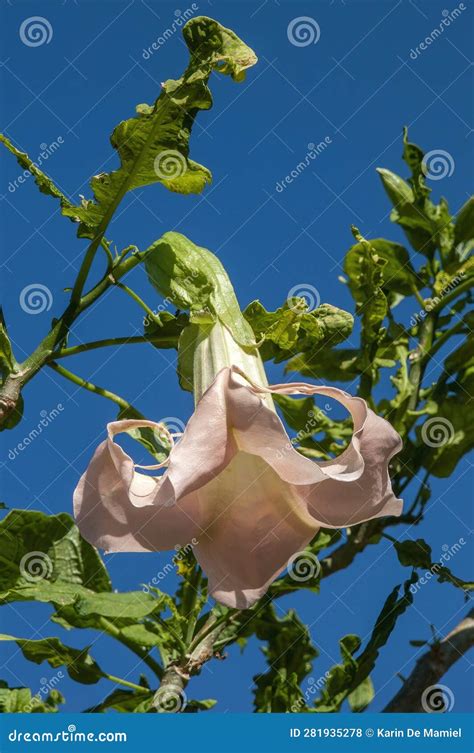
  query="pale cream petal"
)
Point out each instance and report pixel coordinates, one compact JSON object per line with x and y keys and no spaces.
{"x":255,"y":522}
{"x":116,"y":509}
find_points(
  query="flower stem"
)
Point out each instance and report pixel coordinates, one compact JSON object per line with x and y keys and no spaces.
{"x":91,"y":387}
{"x":150,"y":313}
{"x":126,"y":683}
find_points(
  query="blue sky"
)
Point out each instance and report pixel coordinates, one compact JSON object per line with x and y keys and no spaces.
{"x":356,"y":87}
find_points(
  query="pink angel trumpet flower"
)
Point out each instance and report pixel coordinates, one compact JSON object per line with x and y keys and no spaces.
{"x":234,"y":482}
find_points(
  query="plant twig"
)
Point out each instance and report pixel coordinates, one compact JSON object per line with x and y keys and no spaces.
{"x":126,"y":683}
{"x":91,"y":387}
{"x":431,"y":667}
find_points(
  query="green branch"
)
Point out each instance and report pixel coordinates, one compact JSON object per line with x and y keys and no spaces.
{"x":150,"y":313}
{"x":126,"y":683}
{"x":109,"y":341}
{"x":75,"y":379}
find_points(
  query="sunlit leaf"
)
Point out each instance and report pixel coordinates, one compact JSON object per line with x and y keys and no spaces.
{"x":79,"y":663}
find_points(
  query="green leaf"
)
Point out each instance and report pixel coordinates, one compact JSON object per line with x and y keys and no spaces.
{"x":289,"y":652}
{"x":308,"y":419}
{"x":417,"y":554}
{"x":426,"y":225}
{"x":416,"y":227}
{"x":464,"y":226}
{"x":80,"y":665}
{"x":339,"y":365}
{"x":360,"y":698}
{"x":292,"y":328}
{"x":447,"y":436}
{"x":413,"y":155}
{"x":132,"y":605}
{"x":22,"y":700}
{"x":398,"y":275}
{"x":150,"y":438}
{"x":344,"y":679}
{"x":43,"y":181}
{"x":464,"y":229}
{"x":281,"y":327}
{"x":414,"y":553}
{"x":364,"y":267}
{"x":44,"y":558}
{"x":165,"y":330}
{"x":153,"y":146}
{"x":193,"y":278}
{"x":7,"y":359}
{"x":125,"y":701}
{"x":193,"y":707}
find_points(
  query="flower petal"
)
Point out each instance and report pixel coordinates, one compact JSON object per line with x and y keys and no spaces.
{"x":116,"y":508}
{"x":255,"y":522}
{"x":342,"y":501}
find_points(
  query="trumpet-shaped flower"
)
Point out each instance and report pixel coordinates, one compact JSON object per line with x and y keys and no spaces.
{"x":234,"y":482}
